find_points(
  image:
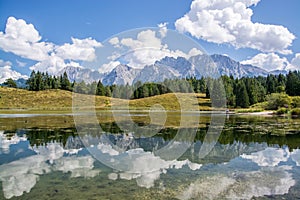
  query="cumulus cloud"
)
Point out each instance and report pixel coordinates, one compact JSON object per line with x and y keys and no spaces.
{"x":163,"y":29}
{"x":270,"y":157}
{"x":23,"y":40}
{"x":137,"y":164}
{"x":114,"y":41}
{"x":53,"y":65}
{"x":229,"y":21}
{"x":21,"y":175}
{"x":6,"y":142}
{"x":295,"y":155}
{"x":272,"y":61}
{"x":241,"y":185}
{"x":145,"y":48}
{"x":4,"y":63}
{"x":6,"y":72}
{"x":269,"y":61}
{"x":194,"y":52}
{"x":79,"y":49}
{"x":295,"y":63}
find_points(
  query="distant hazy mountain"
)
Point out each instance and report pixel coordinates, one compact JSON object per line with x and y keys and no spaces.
{"x":120,"y":75}
{"x":228,"y":66}
{"x":21,"y":83}
{"x":277,"y":72}
{"x":156,"y":73}
{"x":78,"y":74}
{"x":170,"y":68}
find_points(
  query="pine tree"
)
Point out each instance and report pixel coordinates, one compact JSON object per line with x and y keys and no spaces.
{"x":292,"y":84}
{"x":242,"y":98}
{"x":93,"y":88}
{"x":39,"y":82}
{"x":217,"y":95}
{"x":107,"y":91}
{"x":31,"y":82}
{"x":64,"y":82}
{"x":271,"y":84}
{"x":100,"y":89}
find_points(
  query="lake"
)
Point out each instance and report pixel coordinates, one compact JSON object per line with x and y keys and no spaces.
{"x":51,"y":157}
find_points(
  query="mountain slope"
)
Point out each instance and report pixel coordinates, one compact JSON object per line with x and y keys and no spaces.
{"x":121,"y":75}
{"x":170,"y":68}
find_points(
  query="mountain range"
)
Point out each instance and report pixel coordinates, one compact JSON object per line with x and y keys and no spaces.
{"x":169,"y":68}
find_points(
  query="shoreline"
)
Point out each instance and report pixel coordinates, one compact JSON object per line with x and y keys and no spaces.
{"x":70,"y":112}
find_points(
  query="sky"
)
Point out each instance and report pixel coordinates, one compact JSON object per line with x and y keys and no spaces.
{"x":51,"y":35}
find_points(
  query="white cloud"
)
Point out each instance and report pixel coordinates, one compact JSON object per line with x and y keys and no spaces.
{"x":6,"y":142}
{"x":194,"y":52}
{"x":114,"y":41}
{"x":78,"y":166}
{"x":163,"y":29}
{"x":137,"y":164}
{"x":295,"y":155}
{"x":21,"y":64}
{"x":21,"y":175}
{"x":295,"y":63}
{"x":144,"y":49}
{"x":79,"y":49}
{"x":107,"y":149}
{"x":53,"y":65}
{"x":23,"y":40}
{"x":229,"y":21}
{"x":269,"y":62}
{"x":109,"y":66}
{"x":4,"y":63}
{"x":6,"y":72}
{"x":269,"y":157}
{"x":296,"y":60}
{"x":241,"y":185}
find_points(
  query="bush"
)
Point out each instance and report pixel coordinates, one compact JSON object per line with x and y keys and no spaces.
{"x":296,"y":111}
{"x":282,"y":111}
{"x":296,"y":102}
{"x":277,"y":100}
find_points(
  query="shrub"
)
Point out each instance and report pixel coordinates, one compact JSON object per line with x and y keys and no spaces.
{"x":277,"y":100}
{"x":296,"y":102}
{"x":282,"y":111}
{"x":296,"y":111}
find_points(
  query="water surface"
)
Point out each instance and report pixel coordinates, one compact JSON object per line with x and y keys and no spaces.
{"x":43,"y":157}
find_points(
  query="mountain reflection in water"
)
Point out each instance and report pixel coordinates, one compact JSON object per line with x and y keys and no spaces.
{"x":241,"y":165}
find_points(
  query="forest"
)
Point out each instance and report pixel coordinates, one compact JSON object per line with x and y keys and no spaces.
{"x":239,"y":93}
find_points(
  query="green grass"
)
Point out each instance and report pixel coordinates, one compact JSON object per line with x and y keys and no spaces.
{"x":60,"y":101}
{"x":18,"y":100}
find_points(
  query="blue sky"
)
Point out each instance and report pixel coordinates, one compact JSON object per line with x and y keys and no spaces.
{"x":91,"y":22}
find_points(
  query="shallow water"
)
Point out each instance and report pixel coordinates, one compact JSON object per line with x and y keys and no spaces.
{"x":46,"y":157}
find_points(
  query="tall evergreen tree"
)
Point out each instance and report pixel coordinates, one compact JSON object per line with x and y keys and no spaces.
{"x":292,"y":84}
{"x":64,"y":82}
{"x":100,"y":89}
{"x":31,"y":82}
{"x":217,"y":94}
{"x":242,"y":98}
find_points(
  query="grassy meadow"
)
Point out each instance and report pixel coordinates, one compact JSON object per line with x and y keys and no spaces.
{"x":23,"y":101}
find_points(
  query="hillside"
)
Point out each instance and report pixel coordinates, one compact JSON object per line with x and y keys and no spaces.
{"x":19,"y":100}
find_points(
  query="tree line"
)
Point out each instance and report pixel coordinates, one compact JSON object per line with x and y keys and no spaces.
{"x":241,"y":92}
